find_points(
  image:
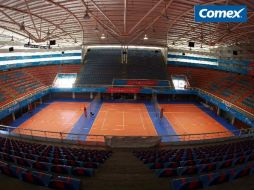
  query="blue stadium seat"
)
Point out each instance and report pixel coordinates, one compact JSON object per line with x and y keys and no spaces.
{"x":62,"y":169}
{"x":37,"y":178}
{"x":80,"y":171}
{"x":188,"y":170}
{"x":215,"y":178}
{"x":64,"y":183}
{"x":187,"y":184}
{"x":166,"y":172}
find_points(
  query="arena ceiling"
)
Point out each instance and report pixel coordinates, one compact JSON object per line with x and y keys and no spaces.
{"x":164,"y":22}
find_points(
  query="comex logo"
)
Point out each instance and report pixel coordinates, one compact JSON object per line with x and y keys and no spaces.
{"x":204,"y":13}
{"x":213,"y":13}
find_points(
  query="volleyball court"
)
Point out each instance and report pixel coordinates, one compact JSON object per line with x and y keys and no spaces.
{"x":123,"y":119}
{"x":190,"y":119}
{"x":55,"y":118}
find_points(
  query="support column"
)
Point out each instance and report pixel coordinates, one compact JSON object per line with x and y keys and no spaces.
{"x":83,"y":53}
{"x":124,"y":54}
{"x":135,"y":96}
{"x":73,"y":95}
{"x":155,"y":96}
{"x":40,"y":100}
{"x":91,"y":95}
{"x":13,"y":116}
{"x":218,"y":111}
{"x":233,"y":121}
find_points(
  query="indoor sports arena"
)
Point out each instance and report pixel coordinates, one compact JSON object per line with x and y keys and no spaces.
{"x":126,"y":94}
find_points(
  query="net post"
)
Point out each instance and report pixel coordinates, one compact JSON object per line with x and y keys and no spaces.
{"x":61,"y":136}
{"x":45,"y":135}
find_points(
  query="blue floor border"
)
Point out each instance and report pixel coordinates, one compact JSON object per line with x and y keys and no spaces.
{"x":27,"y":116}
{"x":217,"y":118}
{"x":84,"y":125}
{"x":162,"y":126}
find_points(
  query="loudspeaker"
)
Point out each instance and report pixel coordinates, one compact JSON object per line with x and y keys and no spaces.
{"x":88,"y":49}
{"x":191,"y":44}
{"x":235,"y":52}
{"x":124,"y":52}
{"x":62,"y":52}
{"x":52,"y":42}
{"x":183,"y":53}
{"x":156,"y":51}
{"x":11,"y":49}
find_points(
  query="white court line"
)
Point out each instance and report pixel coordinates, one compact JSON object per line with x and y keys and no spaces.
{"x":180,"y":112}
{"x":120,"y":109}
{"x":180,"y":124}
{"x":141,"y":118}
{"x":104,"y":119}
{"x":123,"y":121}
{"x":121,"y":125}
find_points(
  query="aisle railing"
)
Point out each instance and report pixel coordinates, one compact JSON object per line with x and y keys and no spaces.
{"x":104,"y":139}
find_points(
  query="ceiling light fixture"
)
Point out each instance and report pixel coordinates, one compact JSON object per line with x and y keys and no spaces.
{"x":145,"y":37}
{"x":103,"y":36}
{"x":86,"y":16}
{"x":96,"y":29}
{"x":22,"y":26}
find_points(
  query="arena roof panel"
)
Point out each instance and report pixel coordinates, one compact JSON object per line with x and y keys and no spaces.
{"x":165,"y":22}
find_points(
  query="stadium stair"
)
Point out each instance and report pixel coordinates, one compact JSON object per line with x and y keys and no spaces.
{"x":123,"y":171}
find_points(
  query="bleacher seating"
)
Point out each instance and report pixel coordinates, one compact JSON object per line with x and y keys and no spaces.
{"x":47,"y":74}
{"x":238,"y":89}
{"x":101,"y":67}
{"x":20,"y":82}
{"x":5,"y":97}
{"x":146,"y":64}
{"x":203,"y":166}
{"x":42,"y":164}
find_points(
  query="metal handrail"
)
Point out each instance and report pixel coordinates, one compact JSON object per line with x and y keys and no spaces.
{"x":48,"y":135}
{"x":112,"y":85}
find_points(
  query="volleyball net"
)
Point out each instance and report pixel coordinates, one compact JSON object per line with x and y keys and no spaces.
{"x":157,"y":108}
{"x":93,"y":106}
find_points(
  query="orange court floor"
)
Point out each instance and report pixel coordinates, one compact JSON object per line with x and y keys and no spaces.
{"x":190,"y":119}
{"x":123,"y":119}
{"x":55,"y":117}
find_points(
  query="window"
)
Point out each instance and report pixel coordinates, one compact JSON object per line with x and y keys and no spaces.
{"x":65,"y":80}
{"x":180,"y":82}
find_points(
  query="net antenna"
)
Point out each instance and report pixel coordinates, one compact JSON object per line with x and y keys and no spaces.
{"x":94,"y":105}
{"x":156,"y":106}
